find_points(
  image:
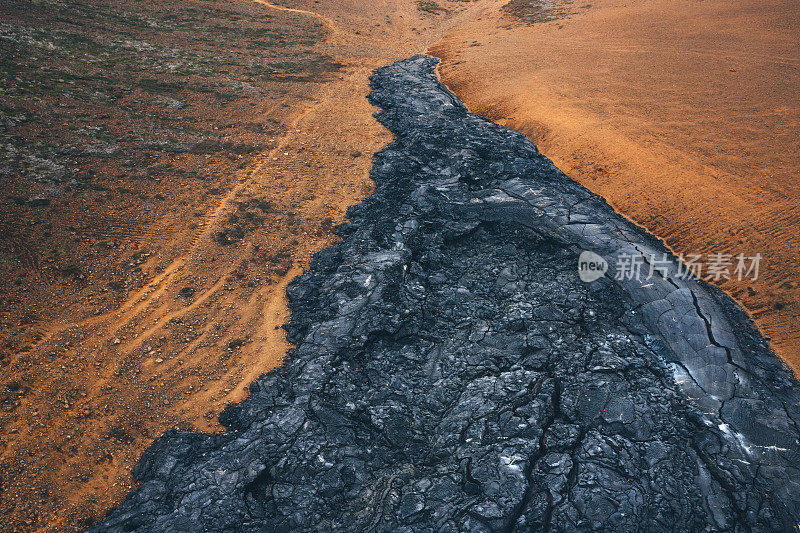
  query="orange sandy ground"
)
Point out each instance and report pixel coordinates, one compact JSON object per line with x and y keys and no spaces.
{"x":683,"y":115}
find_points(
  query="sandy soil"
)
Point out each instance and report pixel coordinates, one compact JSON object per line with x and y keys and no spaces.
{"x":610,"y":93}
{"x":685,"y":116}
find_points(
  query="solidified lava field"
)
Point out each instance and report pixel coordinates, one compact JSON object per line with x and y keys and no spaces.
{"x":168,"y":168}
{"x":451,"y":372}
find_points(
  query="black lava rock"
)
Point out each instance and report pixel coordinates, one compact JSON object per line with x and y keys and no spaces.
{"x":453,"y":373}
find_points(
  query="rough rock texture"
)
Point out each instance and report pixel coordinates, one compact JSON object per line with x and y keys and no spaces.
{"x":452,"y":372}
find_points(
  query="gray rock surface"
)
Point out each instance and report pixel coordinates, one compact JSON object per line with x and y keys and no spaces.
{"x":453,"y":373}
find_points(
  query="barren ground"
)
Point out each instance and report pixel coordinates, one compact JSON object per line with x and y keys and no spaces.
{"x":170,"y":167}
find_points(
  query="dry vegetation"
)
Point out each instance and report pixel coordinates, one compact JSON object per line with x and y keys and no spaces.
{"x":428,"y":6}
{"x":118,"y":118}
{"x":533,"y":11}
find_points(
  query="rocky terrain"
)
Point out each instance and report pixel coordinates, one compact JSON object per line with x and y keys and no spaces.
{"x":453,"y":373}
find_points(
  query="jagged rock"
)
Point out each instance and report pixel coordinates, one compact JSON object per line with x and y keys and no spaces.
{"x":453,"y":373}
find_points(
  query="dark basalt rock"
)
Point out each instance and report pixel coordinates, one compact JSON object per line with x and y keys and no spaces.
{"x":452,"y":372}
